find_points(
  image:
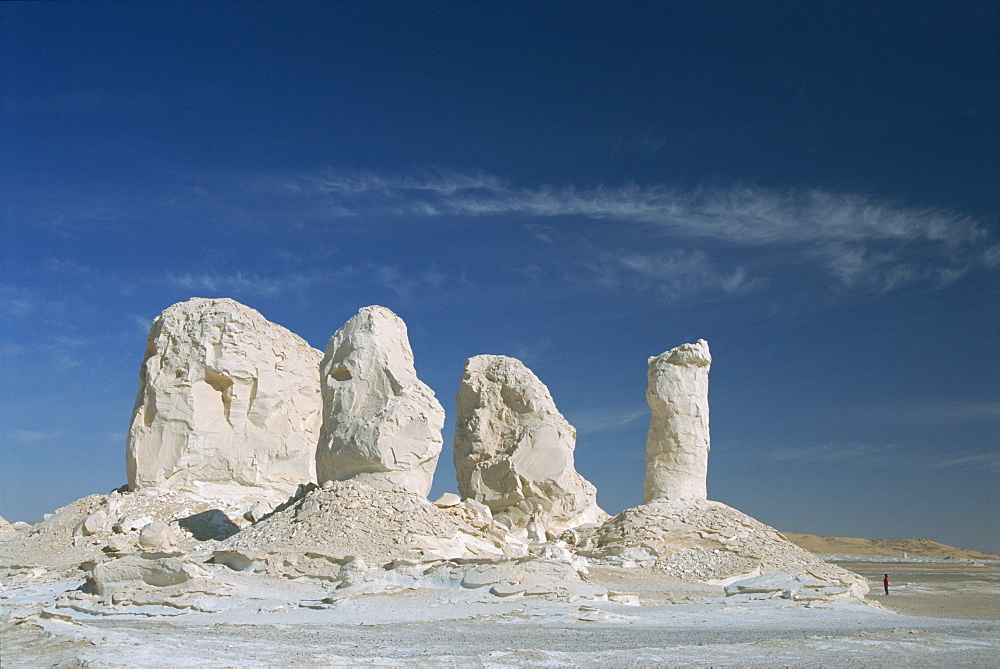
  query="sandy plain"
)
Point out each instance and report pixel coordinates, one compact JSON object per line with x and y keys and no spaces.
{"x":940,"y":589}
{"x":939,"y":613}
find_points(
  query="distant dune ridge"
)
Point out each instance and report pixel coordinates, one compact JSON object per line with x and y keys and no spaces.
{"x":923,"y":547}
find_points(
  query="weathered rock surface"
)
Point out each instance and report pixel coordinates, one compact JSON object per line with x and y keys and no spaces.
{"x":225,"y":396}
{"x":709,"y":542}
{"x":381,"y":424}
{"x":514,"y":450}
{"x":157,"y":536}
{"x":104,"y":577}
{"x":7,"y":531}
{"x":678,"y":440}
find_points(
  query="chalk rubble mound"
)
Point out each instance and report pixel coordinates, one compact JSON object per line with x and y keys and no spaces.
{"x":225,"y":397}
{"x":313,"y":534}
{"x":677,"y":443}
{"x":381,"y":425}
{"x":709,"y":542}
{"x":196,"y":523}
{"x":514,"y":450}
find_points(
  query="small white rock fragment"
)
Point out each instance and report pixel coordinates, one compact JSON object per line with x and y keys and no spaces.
{"x":94,"y":523}
{"x":157,"y":536}
{"x":448,"y":499}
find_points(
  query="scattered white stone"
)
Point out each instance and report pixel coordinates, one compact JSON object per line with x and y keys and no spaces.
{"x":448,"y":499}
{"x":118,"y":543}
{"x":257,"y":511}
{"x":224,"y":396}
{"x":478,"y":508}
{"x":131,"y":524}
{"x":94,"y":523}
{"x":800,"y":587}
{"x":678,"y":440}
{"x":157,"y":536}
{"x":514,"y":450}
{"x":381,"y":424}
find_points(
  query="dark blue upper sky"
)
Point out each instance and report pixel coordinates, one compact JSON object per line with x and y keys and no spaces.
{"x":811,"y":187}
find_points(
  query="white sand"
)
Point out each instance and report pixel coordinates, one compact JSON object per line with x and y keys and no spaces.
{"x":276,"y":622}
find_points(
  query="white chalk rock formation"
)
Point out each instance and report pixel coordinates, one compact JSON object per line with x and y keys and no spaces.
{"x":678,"y":441}
{"x":225,"y":396}
{"x":381,"y":424}
{"x":514,"y":450}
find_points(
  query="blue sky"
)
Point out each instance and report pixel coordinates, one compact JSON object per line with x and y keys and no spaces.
{"x":811,"y":187}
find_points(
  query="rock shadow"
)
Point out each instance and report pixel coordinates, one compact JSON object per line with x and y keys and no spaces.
{"x":211,"y":524}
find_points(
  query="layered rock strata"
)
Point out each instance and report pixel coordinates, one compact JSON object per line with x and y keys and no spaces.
{"x":381,"y":424}
{"x":514,"y":450}
{"x":677,"y":443}
{"x":225,"y":396}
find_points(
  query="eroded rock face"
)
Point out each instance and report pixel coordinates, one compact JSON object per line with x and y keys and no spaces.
{"x":514,"y":450}
{"x":678,"y":440}
{"x":225,"y":396}
{"x":381,"y":424}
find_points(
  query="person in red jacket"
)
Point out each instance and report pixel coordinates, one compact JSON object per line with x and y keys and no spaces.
{"x":885,"y":583}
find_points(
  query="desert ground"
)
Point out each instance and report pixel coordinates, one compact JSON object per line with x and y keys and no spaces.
{"x":940,"y":612}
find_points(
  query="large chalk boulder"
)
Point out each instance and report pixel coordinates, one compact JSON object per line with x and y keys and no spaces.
{"x":514,"y":450}
{"x":225,"y":397}
{"x":381,"y":424}
{"x":678,"y":441}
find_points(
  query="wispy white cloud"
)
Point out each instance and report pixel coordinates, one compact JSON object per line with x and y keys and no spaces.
{"x":671,"y":274}
{"x":944,"y":413}
{"x":740,"y":215}
{"x":69,"y":342}
{"x":31,"y":436}
{"x":829,"y":453}
{"x":398,"y":281}
{"x":392,"y":278}
{"x":606,"y":418}
{"x":142,"y":323}
{"x":986,"y":461}
{"x":860,"y":241}
{"x":677,"y":273}
{"x":10,"y":349}
{"x":240,"y":283}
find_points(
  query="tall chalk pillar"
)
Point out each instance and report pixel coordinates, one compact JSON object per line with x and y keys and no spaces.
{"x":678,"y":441}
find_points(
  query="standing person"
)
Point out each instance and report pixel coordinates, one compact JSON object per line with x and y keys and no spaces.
{"x":885,"y":583}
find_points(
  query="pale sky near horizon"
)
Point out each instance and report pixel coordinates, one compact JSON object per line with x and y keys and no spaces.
{"x":811,"y":187}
